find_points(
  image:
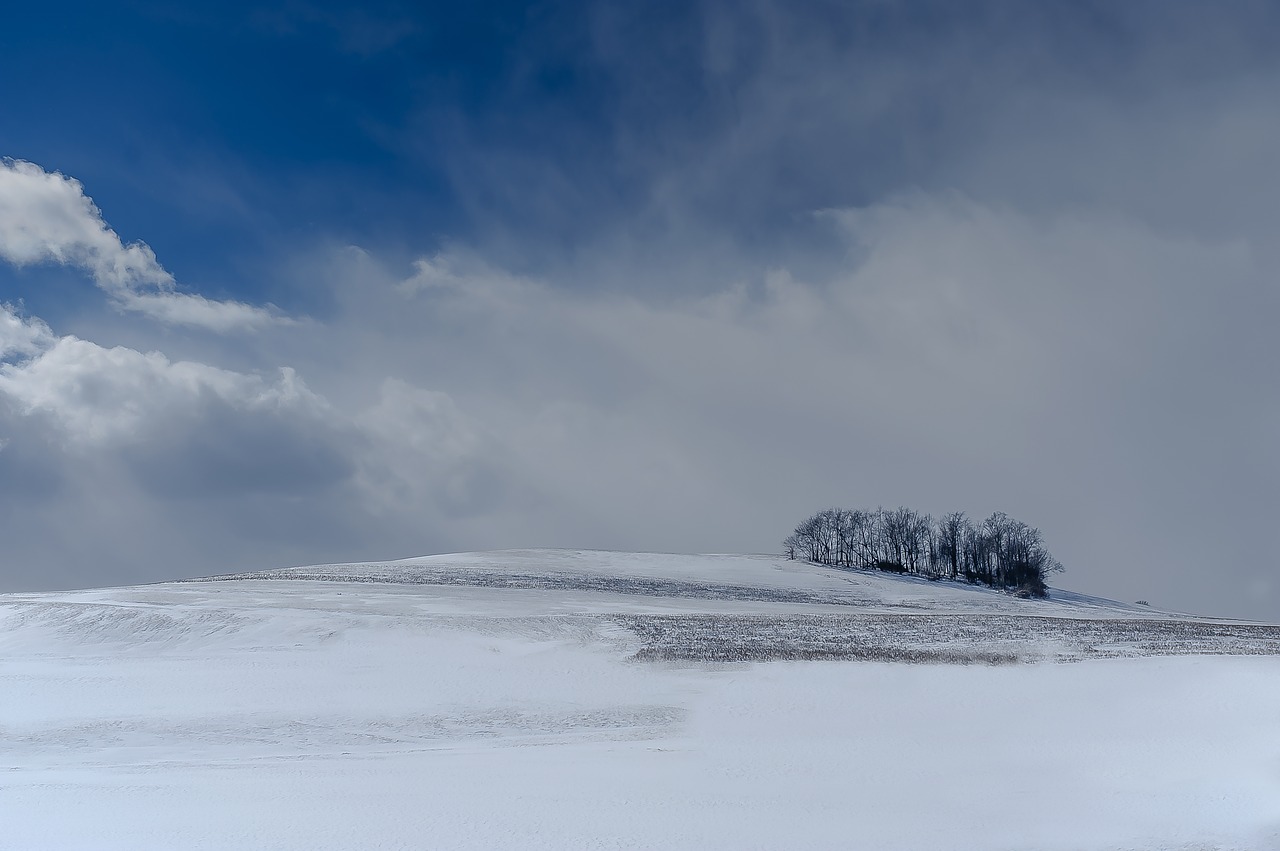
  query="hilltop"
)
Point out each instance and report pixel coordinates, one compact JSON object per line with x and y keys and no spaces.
{"x":764,"y":607}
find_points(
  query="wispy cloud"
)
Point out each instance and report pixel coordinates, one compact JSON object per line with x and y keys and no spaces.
{"x":46,"y":217}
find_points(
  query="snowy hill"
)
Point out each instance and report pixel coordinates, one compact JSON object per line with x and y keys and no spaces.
{"x":759,"y":578}
{"x":565,"y":699}
{"x":743,"y":607}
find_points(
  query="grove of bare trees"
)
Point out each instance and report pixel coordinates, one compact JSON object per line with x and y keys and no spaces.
{"x":999,"y":552}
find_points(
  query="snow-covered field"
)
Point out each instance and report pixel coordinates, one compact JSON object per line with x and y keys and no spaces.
{"x":559,"y":699}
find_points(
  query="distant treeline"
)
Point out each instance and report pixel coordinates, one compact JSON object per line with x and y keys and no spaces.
{"x":999,"y":552}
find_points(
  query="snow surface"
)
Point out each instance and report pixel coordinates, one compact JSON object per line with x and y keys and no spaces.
{"x":553,"y":699}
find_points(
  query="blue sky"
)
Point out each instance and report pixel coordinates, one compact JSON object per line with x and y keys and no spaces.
{"x":670,"y":276}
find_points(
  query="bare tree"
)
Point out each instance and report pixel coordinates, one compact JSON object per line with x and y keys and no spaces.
{"x":1000,"y":552}
{"x":951,"y":533}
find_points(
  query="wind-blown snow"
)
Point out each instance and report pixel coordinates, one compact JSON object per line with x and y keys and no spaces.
{"x":548,"y":699}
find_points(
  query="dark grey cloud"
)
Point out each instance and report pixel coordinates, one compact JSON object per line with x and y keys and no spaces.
{"x":213,"y":449}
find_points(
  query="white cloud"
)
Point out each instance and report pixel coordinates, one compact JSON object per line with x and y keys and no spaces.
{"x":97,"y":396}
{"x":197,"y":311}
{"x":45,"y":217}
{"x":22,"y":337}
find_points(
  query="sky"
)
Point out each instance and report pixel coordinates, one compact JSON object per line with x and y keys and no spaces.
{"x":300,"y":282}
